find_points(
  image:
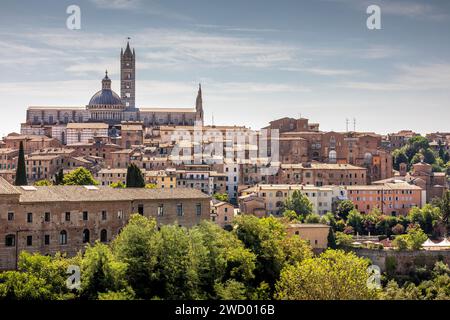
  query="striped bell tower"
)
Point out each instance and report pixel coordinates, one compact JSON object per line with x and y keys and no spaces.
{"x":128,"y":77}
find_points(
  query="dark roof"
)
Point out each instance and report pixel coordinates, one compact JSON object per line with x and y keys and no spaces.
{"x":105,"y":97}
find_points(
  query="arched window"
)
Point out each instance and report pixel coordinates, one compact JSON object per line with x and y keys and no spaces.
{"x":279,"y":194}
{"x":10,"y":240}
{"x":104,"y":235}
{"x":86,"y":236}
{"x":63,"y":237}
{"x":332,"y":156}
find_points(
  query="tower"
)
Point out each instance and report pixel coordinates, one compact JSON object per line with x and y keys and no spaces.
{"x":199,"y":105}
{"x":128,"y":77}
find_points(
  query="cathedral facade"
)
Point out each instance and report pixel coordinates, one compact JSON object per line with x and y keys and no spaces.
{"x":106,"y":106}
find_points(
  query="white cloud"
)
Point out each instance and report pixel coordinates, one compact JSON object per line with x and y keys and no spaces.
{"x":117,"y":4}
{"x":413,"y":78}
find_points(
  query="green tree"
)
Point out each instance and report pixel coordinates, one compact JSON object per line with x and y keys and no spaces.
{"x":101,"y":272}
{"x":334,"y":275}
{"x":331,"y":239}
{"x":299,"y":203}
{"x":135,"y":178}
{"x":21,"y":171}
{"x":444,"y":205}
{"x":413,"y":240}
{"x":136,"y":247}
{"x":151,"y":186}
{"x":118,"y":185}
{"x":262,"y":237}
{"x":181,"y":258}
{"x":344,"y":207}
{"x":38,"y":278}
{"x":43,"y":183}
{"x":399,"y":156}
{"x":425,"y":217}
{"x":312,"y":218}
{"x":79,"y":177}
{"x":221,"y":197}
{"x":59,"y":177}
{"x":229,"y":262}
{"x":343,"y":240}
{"x":355,"y":220}
{"x":231,"y":290}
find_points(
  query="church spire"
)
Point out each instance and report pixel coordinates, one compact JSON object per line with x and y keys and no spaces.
{"x":199,"y":104}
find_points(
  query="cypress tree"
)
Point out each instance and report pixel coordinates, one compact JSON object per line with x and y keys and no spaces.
{"x":21,"y":174}
{"x":135,"y":178}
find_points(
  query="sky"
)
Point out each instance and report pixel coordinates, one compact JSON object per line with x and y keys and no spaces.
{"x":257,"y":60}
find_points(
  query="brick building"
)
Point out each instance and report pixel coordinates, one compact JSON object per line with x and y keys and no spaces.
{"x":391,"y":198}
{"x":66,"y":218}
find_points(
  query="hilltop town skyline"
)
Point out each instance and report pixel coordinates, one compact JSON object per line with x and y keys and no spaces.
{"x":283,"y":63}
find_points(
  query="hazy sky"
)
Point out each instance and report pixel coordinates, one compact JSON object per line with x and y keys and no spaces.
{"x":258,"y":60}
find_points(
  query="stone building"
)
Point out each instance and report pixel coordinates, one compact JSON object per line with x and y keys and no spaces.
{"x":132,"y":134}
{"x":30,"y":143}
{"x":67,"y":218}
{"x":273,"y":197}
{"x":316,"y":234}
{"x":321,"y":174}
{"x":394,"y":198}
{"x":85,"y":132}
{"x":222,"y":213}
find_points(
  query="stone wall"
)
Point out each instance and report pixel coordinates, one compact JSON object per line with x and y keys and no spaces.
{"x":403,"y":261}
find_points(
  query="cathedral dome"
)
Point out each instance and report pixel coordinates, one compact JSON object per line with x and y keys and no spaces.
{"x":105,"y":96}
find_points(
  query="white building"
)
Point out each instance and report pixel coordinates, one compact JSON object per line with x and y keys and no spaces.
{"x":85,"y":132}
{"x":274,"y":196}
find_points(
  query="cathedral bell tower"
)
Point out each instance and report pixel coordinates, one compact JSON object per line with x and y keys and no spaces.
{"x":128,"y":77}
{"x":199,"y":105}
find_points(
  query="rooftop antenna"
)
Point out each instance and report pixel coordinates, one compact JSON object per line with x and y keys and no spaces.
{"x":212,"y":116}
{"x":354,"y":124}
{"x":346,"y":124}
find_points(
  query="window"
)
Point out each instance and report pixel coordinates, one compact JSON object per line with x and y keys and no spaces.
{"x":198,"y":209}
{"x":179,"y":210}
{"x":160,"y":210}
{"x":141,"y":209}
{"x":10,"y":240}
{"x":86,"y":236}
{"x":10,"y":216}
{"x":46,"y":239}
{"x":104,"y":215}
{"x":63,"y":237}
{"x":85,"y":216}
{"x":29,"y":217}
{"x":67,"y":216}
{"x":29,"y":241}
{"x":103,"y":235}
{"x":120,"y":214}
{"x":47,"y":216}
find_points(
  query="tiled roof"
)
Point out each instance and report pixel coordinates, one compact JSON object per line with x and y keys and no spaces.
{"x":81,"y":193}
{"x":6,"y":188}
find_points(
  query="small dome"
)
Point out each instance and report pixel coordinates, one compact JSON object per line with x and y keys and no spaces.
{"x":105,"y":97}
